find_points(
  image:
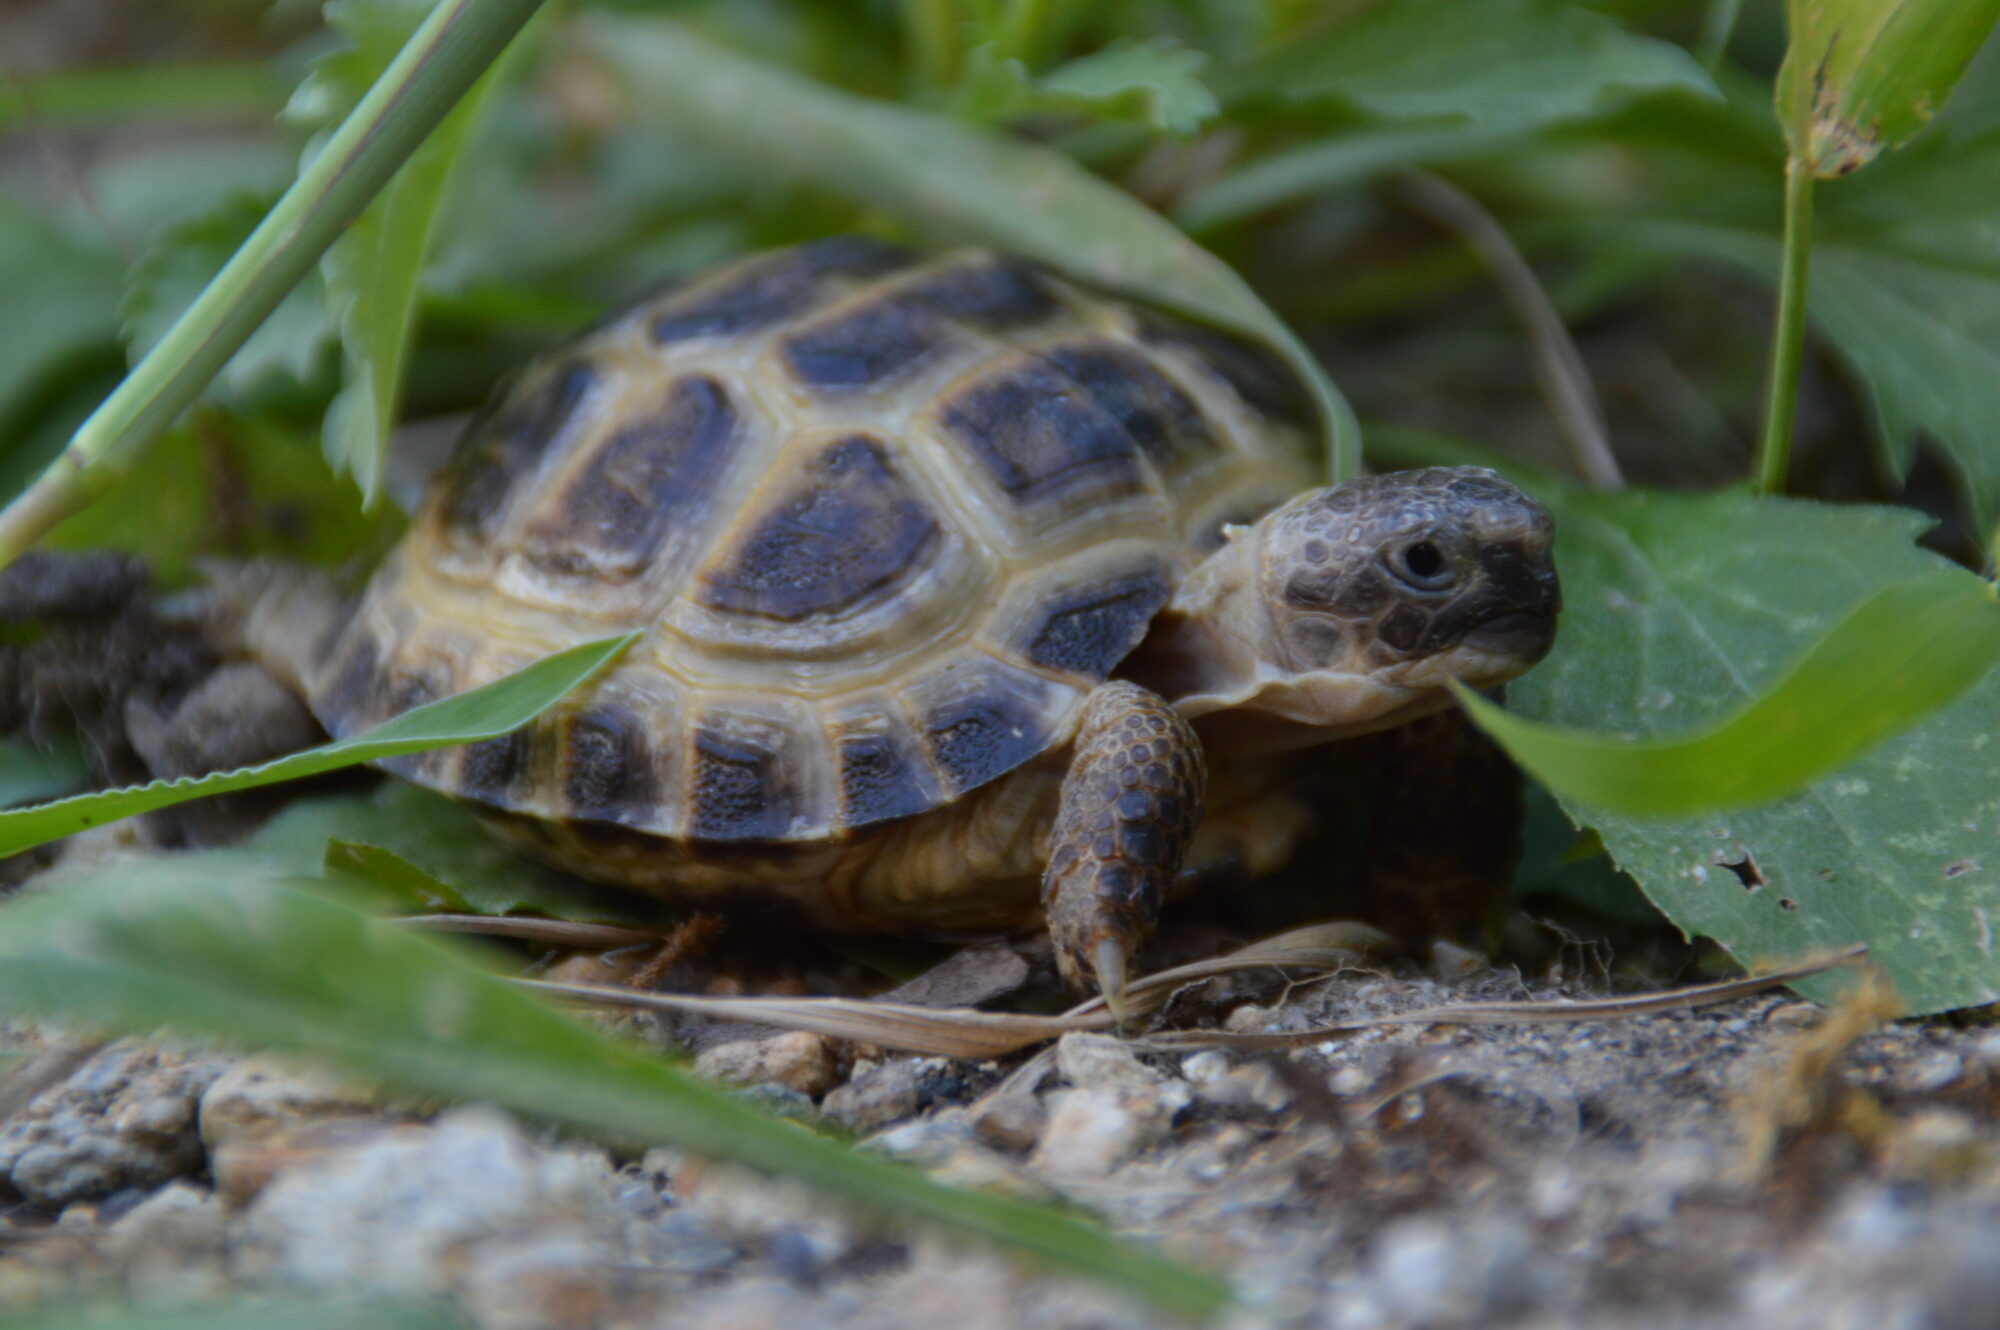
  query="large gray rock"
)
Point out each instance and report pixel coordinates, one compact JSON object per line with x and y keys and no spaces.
{"x":125,"y":1118}
{"x":406,"y":1210}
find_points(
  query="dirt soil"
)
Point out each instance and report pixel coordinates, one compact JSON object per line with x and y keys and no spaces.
{"x":1768,"y":1161}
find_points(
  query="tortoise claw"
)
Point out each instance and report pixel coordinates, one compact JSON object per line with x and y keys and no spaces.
{"x":1108,"y":958}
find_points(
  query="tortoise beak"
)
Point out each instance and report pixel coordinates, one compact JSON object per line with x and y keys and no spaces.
{"x":1522,"y":603}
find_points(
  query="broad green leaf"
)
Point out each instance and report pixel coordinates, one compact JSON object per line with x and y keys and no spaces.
{"x":1156,"y":82}
{"x":1919,"y":324}
{"x":433,"y":853}
{"x":1863,"y":75}
{"x":951,"y":179}
{"x":1559,"y":862}
{"x":284,"y":969}
{"x":483,"y":713}
{"x":1897,"y":657}
{"x":1426,"y":81}
{"x":1514,"y":63}
{"x":1681,"y":611}
{"x":288,"y":348}
{"x":373,"y":271}
{"x":249,"y":1314}
{"x":1905,"y":269}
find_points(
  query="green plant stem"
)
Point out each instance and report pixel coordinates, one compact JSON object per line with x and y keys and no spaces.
{"x":1774,"y":452}
{"x":930,"y":30}
{"x":1021,"y":30}
{"x":453,"y":47}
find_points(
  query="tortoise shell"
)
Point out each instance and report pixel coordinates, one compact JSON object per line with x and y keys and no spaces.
{"x":884,"y":521}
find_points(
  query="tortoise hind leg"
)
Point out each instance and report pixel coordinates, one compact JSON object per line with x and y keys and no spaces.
{"x":1128,"y":809}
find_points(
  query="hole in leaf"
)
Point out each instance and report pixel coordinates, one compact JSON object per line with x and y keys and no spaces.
{"x":1745,"y":868}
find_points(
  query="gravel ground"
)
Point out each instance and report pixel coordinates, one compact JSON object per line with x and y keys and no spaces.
{"x":1764,"y":1162}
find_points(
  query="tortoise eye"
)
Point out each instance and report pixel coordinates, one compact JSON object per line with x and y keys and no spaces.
{"x":1423,"y":566}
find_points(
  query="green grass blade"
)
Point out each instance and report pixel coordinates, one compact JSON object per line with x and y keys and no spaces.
{"x":280,"y":968}
{"x":250,"y":1314}
{"x":484,"y":713}
{"x":373,"y":272}
{"x":454,"y":46}
{"x":958,"y":182}
{"x":1898,"y":656}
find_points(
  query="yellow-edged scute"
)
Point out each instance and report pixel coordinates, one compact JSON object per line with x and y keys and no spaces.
{"x":884,"y":519}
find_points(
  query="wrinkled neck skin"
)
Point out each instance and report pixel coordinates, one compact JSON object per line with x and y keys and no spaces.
{"x":1216,"y":653}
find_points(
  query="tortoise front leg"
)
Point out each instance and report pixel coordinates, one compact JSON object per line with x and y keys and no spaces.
{"x":1129,"y":807}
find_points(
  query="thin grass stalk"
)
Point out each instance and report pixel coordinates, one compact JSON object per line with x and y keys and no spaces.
{"x":456,"y":43}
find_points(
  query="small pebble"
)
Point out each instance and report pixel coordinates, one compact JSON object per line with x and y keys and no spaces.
{"x":797,"y":1060}
{"x":1349,"y":1081}
{"x":1205,"y":1066}
{"x":1933,"y":1072}
{"x":1097,"y":1061}
{"x":1248,"y":1019}
{"x":1090,"y":1132}
{"x":878,"y":1094}
{"x":1254,"y":1085}
{"x":1009,"y":1121}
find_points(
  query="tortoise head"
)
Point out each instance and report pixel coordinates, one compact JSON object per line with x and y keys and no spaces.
{"x":1348,"y":609}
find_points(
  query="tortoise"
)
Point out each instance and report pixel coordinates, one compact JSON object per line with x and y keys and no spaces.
{"x":970,"y":598}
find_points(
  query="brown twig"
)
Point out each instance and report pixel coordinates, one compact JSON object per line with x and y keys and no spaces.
{"x":1559,"y":367}
{"x":560,"y":932}
{"x":967,"y":1033}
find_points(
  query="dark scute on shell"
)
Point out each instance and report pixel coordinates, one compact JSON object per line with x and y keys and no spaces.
{"x":991,"y":294}
{"x":850,"y":529}
{"x":1039,"y":435}
{"x":1259,"y":377}
{"x":653,"y":475}
{"x":1162,"y":420}
{"x":490,"y":768}
{"x":406,"y":689}
{"x":882,"y":778}
{"x":1089,"y":629}
{"x":607,"y":768}
{"x":767,"y":290}
{"x":346,"y":700}
{"x":984,"y":734}
{"x":867,"y":345}
{"x":504,"y":443}
{"x":736,"y":791}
